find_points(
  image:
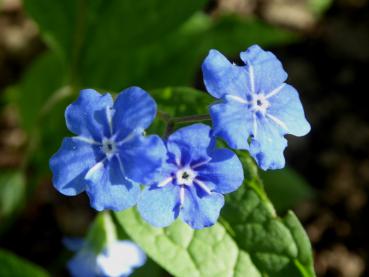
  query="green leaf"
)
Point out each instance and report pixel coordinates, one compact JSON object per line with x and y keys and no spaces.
{"x":117,"y":43}
{"x":41,"y":98}
{"x":149,"y":269}
{"x":249,"y":240}
{"x":97,"y":35}
{"x":185,"y":252}
{"x":181,"y":101}
{"x":12,"y":192}
{"x":319,"y":6}
{"x":101,"y":232}
{"x":178,"y":101}
{"x":279,"y":246}
{"x":232,"y":34}
{"x":115,"y":53}
{"x":42,"y":80}
{"x":174,"y":60}
{"x":285,"y":188}
{"x":11,"y":265}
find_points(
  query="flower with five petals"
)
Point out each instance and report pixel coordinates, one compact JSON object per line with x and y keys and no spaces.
{"x":110,"y":154}
{"x":256,"y":108}
{"x":193,"y":180}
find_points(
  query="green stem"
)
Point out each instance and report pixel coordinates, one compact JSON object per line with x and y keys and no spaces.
{"x":169,"y":129}
{"x":191,"y":118}
{"x":172,"y":121}
{"x":110,"y":230}
{"x":164,"y":116}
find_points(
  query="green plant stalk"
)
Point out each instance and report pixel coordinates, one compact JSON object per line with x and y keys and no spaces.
{"x":172,"y":121}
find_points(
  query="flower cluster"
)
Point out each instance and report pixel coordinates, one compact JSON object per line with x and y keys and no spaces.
{"x":185,"y":175}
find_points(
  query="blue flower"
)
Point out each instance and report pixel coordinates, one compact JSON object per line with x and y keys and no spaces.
{"x":109,"y":156}
{"x":117,"y":259}
{"x":193,"y":180}
{"x":256,"y":108}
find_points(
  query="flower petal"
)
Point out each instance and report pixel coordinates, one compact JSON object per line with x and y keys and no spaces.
{"x":221,"y":77}
{"x":109,"y":189}
{"x":201,"y":212}
{"x":87,"y":116}
{"x":233,"y":123}
{"x":159,"y":206}
{"x":142,"y":158}
{"x":268,"y":145}
{"x":73,"y":244}
{"x":83,"y":264}
{"x":120,"y":258}
{"x":286,"y":107}
{"x":191,"y":143}
{"x":264,"y":69}
{"x":224,"y":171}
{"x":70,"y":164}
{"x":134,"y":108}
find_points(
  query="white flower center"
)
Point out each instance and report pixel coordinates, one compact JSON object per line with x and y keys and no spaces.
{"x":185,"y":176}
{"x":109,"y":147}
{"x":260,"y":103}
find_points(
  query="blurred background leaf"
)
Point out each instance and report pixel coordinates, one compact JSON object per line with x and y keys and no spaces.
{"x":12,"y":193}
{"x":101,"y":232}
{"x":96,"y":37}
{"x":178,"y":101}
{"x":320,"y":6}
{"x":150,"y":269}
{"x":120,"y":43}
{"x":182,"y":101}
{"x":286,"y":188}
{"x":174,"y":61}
{"x":42,"y":79}
{"x":109,"y":25}
{"x":13,"y":266}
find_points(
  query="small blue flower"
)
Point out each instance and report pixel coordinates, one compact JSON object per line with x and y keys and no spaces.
{"x":193,"y":180}
{"x":257,"y":108}
{"x":118,"y":259}
{"x":109,"y":155}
